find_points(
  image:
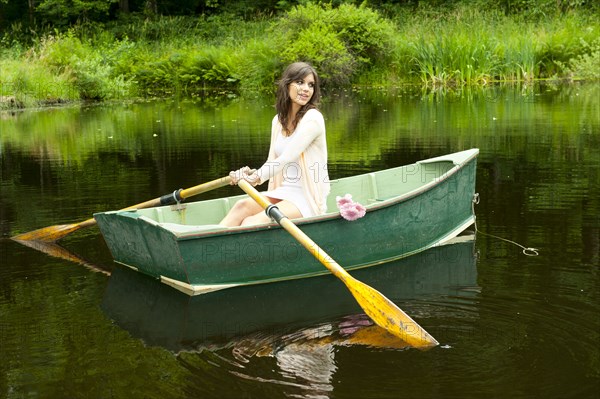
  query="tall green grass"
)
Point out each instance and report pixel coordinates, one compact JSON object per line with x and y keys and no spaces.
{"x":349,"y":45}
{"x":472,"y":47}
{"x":26,"y":85}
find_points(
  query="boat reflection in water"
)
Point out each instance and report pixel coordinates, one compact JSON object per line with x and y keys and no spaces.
{"x":255,"y":317}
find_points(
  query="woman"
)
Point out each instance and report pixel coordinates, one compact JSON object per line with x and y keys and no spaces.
{"x":296,"y":167}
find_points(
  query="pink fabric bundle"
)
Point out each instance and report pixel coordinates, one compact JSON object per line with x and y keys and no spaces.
{"x":349,"y":209}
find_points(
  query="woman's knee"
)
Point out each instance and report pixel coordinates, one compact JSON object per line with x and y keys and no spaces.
{"x":243,"y":205}
{"x":256,"y":219}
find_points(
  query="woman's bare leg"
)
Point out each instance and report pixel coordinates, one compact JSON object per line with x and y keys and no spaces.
{"x":287,"y":208}
{"x":240,"y":211}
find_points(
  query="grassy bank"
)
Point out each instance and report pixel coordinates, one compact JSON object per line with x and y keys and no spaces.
{"x":349,"y":45}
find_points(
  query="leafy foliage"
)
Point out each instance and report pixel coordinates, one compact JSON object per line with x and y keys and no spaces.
{"x":64,"y":12}
{"x":89,"y":69}
{"x":322,"y":47}
{"x":188,"y":72}
{"x":587,"y":64}
{"x":341,"y":42}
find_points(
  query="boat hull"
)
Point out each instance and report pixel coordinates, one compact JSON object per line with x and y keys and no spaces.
{"x":393,"y":228}
{"x":164,"y":317}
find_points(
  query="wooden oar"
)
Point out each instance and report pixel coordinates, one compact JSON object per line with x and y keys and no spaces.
{"x":379,"y":308}
{"x":55,"y":233}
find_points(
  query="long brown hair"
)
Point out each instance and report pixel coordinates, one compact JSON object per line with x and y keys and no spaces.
{"x":292,"y":73}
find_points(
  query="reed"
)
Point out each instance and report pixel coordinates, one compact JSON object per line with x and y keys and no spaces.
{"x":477,"y":48}
{"x":24,"y":84}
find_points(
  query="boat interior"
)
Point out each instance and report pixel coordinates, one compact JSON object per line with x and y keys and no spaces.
{"x":366,"y":189}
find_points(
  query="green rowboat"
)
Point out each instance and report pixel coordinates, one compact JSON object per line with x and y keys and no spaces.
{"x":409,"y":209}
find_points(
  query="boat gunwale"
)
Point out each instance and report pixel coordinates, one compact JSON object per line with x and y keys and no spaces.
{"x":380,"y":204}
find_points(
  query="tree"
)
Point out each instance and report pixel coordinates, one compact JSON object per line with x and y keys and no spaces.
{"x":63,"y":12}
{"x":31,"y":11}
{"x":151,"y":7}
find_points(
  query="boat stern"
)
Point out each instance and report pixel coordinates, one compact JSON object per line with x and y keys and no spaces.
{"x":135,"y":242}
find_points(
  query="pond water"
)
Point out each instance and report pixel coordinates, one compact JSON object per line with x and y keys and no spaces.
{"x":73,"y":324}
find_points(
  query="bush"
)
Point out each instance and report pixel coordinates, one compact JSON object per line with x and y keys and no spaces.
{"x":585,"y":66}
{"x":59,"y":51}
{"x":213,"y":67}
{"x":89,"y":69}
{"x":259,"y":66}
{"x":188,"y":71}
{"x":322,"y":47}
{"x":340,"y":42}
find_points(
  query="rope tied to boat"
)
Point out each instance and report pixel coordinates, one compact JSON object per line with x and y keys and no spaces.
{"x":528,"y":251}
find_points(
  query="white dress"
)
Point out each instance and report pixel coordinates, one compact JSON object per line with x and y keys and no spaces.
{"x":291,"y":187}
{"x":302,"y":157}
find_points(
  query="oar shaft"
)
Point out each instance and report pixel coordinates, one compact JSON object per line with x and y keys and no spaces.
{"x":312,"y":247}
{"x":55,"y":233}
{"x":202,"y":188}
{"x":170,"y":198}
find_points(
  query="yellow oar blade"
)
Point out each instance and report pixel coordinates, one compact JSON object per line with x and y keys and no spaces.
{"x":387,"y":315}
{"x":379,"y":308}
{"x":52,"y":233}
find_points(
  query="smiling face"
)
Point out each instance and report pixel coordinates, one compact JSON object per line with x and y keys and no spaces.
{"x":298,"y":90}
{"x":301,"y":91}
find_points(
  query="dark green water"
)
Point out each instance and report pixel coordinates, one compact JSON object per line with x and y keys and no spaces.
{"x":510,"y":325}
